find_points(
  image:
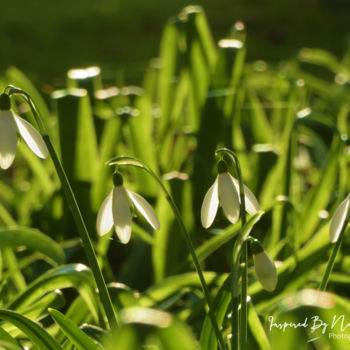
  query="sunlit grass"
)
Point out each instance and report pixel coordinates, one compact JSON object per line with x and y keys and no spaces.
{"x":288,"y":126}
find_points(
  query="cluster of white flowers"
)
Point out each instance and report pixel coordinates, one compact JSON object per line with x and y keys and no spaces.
{"x":116,"y":210}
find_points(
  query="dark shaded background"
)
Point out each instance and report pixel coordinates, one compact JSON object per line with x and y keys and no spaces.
{"x":46,"y":38}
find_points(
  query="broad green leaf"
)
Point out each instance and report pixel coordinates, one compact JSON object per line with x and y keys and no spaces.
{"x":150,"y":328}
{"x":168,"y":56}
{"x":77,"y":133}
{"x":221,"y":304}
{"x":168,"y":248}
{"x":96,"y":333}
{"x":257,"y":329}
{"x":18,"y":79}
{"x":4,"y":345}
{"x":5,"y":337}
{"x":320,"y":57}
{"x":73,"y":332}
{"x":214,"y":243}
{"x":170,"y":285}
{"x":109,"y":140}
{"x":318,"y":198}
{"x":260,"y":126}
{"x":32,"y":330}
{"x":78,"y":312}
{"x":38,"y":309}
{"x":17,"y":237}
{"x":141,"y":142}
{"x":64,"y":276}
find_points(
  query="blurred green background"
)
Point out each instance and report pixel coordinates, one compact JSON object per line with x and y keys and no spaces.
{"x":46,"y":38}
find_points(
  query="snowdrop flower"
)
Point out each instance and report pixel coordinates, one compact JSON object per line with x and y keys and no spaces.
{"x":225,"y":191}
{"x":115,"y":210}
{"x":265,"y":268}
{"x":9,"y":122}
{"x":339,"y":219}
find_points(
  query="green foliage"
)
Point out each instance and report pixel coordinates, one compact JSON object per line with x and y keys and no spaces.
{"x":288,"y":125}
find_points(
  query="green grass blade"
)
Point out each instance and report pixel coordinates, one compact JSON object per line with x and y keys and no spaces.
{"x":64,"y":276}
{"x":34,"y":240}
{"x":142,"y":143}
{"x":73,"y":332}
{"x":257,"y":329}
{"x":170,"y":285}
{"x":5,"y":337}
{"x":38,"y":310}
{"x":33,"y":331}
{"x":78,"y":142}
{"x":109,"y":140}
{"x":168,"y":55}
{"x":221,"y":303}
{"x":18,"y":78}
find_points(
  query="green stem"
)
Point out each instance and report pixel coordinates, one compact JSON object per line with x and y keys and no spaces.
{"x":235,"y":272}
{"x":235,"y":323}
{"x":243,"y":319}
{"x":78,"y":219}
{"x":331,"y":260}
{"x":135,"y":162}
{"x":244,"y":305}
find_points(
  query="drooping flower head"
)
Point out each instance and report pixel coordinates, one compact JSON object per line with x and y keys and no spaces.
{"x":10,"y":123}
{"x":225,"y":192}
{"x":265,"y":268}
{"x":116,"y":211}
{"x":339,"y":219}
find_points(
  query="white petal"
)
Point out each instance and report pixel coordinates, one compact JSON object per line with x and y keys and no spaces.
{"x":251,"y":203}
{"x":8,"y":139}
{"x":104,"y":217}
{"x":145,"y":209}
{"x":32,"y":137}
{"x":265,"y":270}
{"x":338,"y":219}
{"x":210,"y":205}
{"x":121,"y":214}
{"x":228,"y":197}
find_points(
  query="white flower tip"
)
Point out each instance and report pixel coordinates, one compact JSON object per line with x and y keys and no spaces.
{"x":156,"y":226}
{"x":104,"y":220}
{"x":210,"y":205}
{"x":123,"y":233}
{"x":228,"y":197}
{"x":6,"y":161}
{"x":121,"y":213}
{"x":32,"y":137}
{"x":338,"y":219}
{"x":8,"y":139}
{"x":145,"y":209}
{"x":251,"y":203}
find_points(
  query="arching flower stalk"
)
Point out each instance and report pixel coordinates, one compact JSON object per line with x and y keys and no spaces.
{"x":41,"y":145}
{"x":236,"y":199}
{"x":130,"y":161}
{"x":116,"y":210}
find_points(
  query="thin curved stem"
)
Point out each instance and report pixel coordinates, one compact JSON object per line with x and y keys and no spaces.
{"x":137,"y":163}
{"x":243,"y":319}
{"x":331,"y":261}
{"x":74,"y":208}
